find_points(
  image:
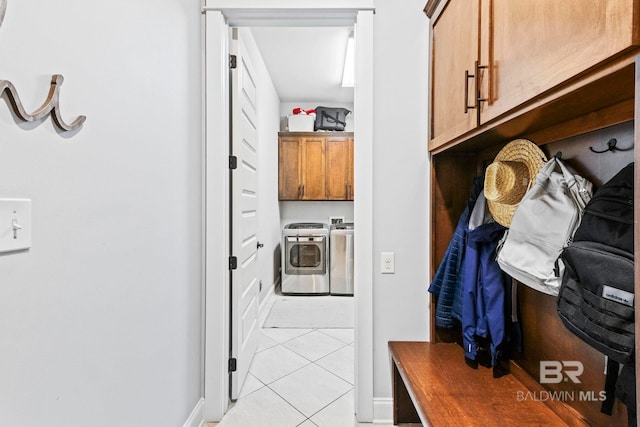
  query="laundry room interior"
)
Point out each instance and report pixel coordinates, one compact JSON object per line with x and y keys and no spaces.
{"x":306,"y":197}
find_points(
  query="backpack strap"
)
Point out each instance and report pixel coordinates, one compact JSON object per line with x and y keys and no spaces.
{"x":610,"y":386}
{"x":333,"y":119}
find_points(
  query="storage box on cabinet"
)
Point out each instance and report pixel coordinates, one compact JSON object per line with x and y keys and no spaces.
{"x":300,"y":122}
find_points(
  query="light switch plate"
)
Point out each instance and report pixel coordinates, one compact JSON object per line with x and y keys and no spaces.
{"x":15,"y":224}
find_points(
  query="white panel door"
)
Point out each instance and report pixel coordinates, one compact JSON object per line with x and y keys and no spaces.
{"x":244,"y":217}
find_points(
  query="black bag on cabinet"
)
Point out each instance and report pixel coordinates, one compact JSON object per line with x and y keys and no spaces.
{"x":596,"y":298}
{"x":329,"y":118}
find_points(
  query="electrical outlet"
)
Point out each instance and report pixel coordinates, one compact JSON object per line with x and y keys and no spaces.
{"x":388,"y":263}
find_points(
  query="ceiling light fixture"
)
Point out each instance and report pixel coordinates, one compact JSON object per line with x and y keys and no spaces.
{"x":348,"y":74}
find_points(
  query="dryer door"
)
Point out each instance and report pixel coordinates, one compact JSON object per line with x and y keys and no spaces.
{"x":305,"y":255}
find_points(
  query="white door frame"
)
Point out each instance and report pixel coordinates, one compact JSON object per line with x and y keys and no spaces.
{"x":219,"y":14}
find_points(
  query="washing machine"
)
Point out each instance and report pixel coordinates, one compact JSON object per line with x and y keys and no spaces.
{"x":341,"y":259}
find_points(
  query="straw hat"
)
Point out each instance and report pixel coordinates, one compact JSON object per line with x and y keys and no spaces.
{"x":509,"y":177}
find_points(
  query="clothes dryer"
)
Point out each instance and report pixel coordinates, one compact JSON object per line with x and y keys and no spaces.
{"x":305,"y":264}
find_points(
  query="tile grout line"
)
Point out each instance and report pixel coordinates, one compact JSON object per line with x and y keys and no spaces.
{"x":329,"y":404}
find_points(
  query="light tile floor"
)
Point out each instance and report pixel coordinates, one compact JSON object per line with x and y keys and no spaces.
{"x":298,"y":377}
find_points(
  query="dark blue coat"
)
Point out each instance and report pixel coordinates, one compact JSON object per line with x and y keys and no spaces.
{"x":447,"y":281}
{"x":484,"y":287}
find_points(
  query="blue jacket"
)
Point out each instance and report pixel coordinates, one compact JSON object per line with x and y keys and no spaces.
{"x":447,"y":281}
{"x":484,"y":285}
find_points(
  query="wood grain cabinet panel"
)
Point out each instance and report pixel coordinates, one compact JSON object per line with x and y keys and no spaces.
{"x":289,"y":177}
{"x":533,"y":46}
{"x":492,"y":58}
{"x":455,"y":50}
{"x":339,"y":157}
{"x":315,"y":166}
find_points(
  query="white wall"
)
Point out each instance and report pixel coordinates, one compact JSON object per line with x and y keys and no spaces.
{"x":314,"y":211}
{"x":100,"y":322}
{"x":400,"y":179}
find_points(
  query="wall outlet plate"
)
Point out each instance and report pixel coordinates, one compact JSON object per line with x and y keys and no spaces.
{"x":333,"y":220}
{"x":387,"y":263}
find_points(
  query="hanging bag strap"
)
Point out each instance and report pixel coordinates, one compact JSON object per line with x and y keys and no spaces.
{"x":333,"y":119}
{"x":573,"y":184}
{"x":610,"y":386}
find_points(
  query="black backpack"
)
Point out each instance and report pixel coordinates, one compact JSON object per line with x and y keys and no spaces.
{"x":329,"y":118}
{"x":596,"y":298}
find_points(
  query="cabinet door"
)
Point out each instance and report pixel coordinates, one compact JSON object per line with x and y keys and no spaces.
{"x":532,"y":46}
{"x":313,"y":168}
{"x":339,"y":168}
{"x":289,"y":174}
{"x":454,"y":52}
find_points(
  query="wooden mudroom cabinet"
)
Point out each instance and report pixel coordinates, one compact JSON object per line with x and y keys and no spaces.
{"x":491,"y":56}
{"x":315,"y":166}
{"x":555,"y":72}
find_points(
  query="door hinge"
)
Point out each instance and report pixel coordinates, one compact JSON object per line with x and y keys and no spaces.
{"x":233,"y":62}
{"x":233,"y":362}
{"x":233,"y":162}
{"x":233,"y":263}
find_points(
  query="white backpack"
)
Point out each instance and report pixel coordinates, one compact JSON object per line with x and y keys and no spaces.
{"x":542,"y":226}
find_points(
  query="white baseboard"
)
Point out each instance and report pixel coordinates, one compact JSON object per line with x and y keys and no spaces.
{"x":382,"y":410}
{"x":196,"y":419}
{"x":266,"y":304}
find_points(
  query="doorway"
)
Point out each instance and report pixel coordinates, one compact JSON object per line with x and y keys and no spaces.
{"x":216,"y":338}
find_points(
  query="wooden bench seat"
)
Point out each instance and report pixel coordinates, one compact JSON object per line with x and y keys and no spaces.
{"x":433,"y":385}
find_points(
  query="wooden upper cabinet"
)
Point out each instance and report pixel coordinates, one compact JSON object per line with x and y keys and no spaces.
{"x":289,"y":178}
{"x":455,"y":51}
{"x":339,"y":157}
{"x":491,"y":57}
{"x":315,"y":166}
{"x":533,"y":46}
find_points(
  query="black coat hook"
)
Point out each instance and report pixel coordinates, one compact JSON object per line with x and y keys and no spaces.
{"x":611,"y":146}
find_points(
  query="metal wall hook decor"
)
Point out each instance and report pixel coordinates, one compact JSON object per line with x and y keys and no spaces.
{"x":611,"y":146}
{"x":50,"y":105}
{"x":3,"y":9}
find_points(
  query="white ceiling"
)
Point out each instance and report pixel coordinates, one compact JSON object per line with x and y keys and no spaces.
{"x":305,"y":63}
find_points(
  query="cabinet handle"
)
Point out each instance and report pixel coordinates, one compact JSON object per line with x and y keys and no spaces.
{"x":476,"y":88}
{"x":467,"y":76}
{"x":302,"y":195}
{"x":479,"y":99}
{"x":299,"y":191}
